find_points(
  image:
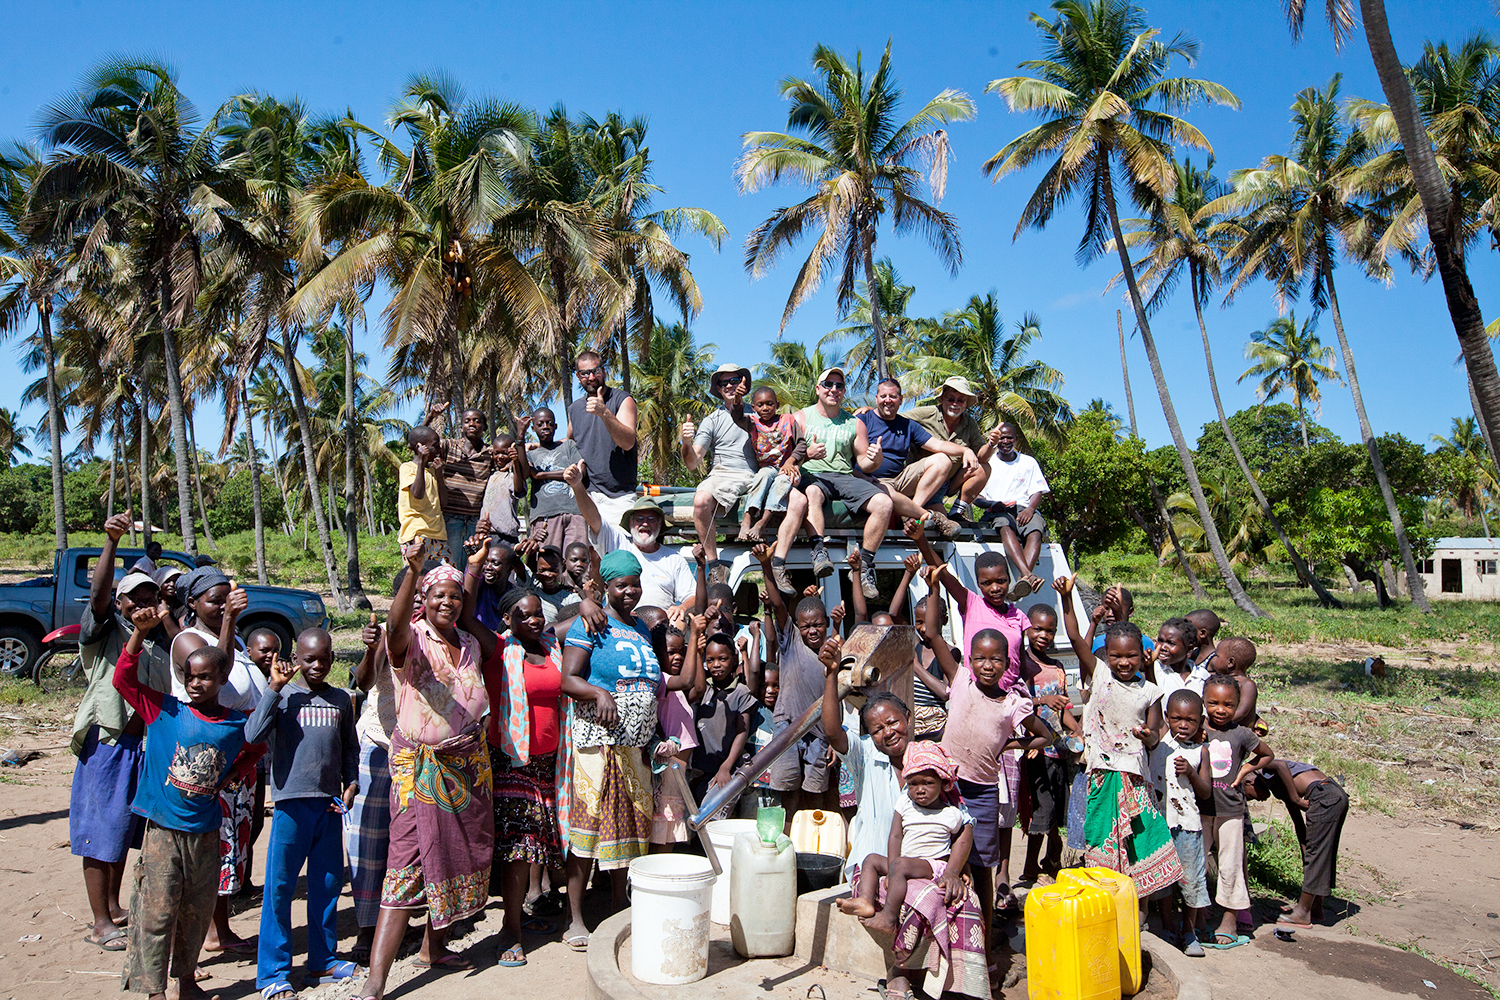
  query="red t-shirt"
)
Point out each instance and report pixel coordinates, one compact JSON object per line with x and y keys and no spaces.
{"x":543,"y":689}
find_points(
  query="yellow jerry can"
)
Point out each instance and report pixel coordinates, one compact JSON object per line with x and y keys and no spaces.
{"x":819,"y":831}
{"x":1127,"y":917}
{"x":1070,"y":943}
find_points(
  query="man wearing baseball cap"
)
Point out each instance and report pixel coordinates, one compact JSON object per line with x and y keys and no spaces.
{"x":107,"y":737}
{"x":947,"y":418}
{"x":839,"y":466}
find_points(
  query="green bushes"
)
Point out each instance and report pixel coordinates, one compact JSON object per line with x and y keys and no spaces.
{"x":233,"y":507}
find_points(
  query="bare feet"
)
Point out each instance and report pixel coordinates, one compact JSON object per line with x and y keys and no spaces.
{"x":189,"y":990}
{"x":881,"y":923}
{"x":749,"y":534}
{"x":855,"y":906}
{"x":233,"y":945}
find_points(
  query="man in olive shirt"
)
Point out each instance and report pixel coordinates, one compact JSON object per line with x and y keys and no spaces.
{"x":949,"y":420}
{"x":467,"y":465}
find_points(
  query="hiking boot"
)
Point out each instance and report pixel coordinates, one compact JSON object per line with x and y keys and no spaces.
{"x":821,"y":565}
{"x":867,"y":580}
{"x":779,"y":577}
{"x":945,"y":525}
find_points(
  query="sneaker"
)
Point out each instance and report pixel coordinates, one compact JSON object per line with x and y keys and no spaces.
{"x":779,"y":577}
{"x":821,"y":565}
{"x":945,"y":525}
{"x":867,"y":581}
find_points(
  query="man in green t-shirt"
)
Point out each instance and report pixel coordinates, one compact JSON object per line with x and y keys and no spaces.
{"x":840,"y":459}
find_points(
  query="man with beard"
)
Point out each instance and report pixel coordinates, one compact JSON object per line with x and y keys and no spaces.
{"x":668,"y":578}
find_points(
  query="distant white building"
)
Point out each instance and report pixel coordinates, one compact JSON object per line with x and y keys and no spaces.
{"x":1462,"y":569}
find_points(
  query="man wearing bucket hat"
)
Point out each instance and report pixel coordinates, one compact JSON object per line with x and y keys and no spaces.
{"x":840,"y":460}
{"x":668,"y":577}
{"x":107,"y":738}
{"x":947,"y":418}
{"x":727,"y":433}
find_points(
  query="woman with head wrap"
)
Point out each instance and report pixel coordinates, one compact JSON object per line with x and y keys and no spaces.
{"x":215,"y":606}
{"x":528,"y":754}
{"x":614,"y":679}
{"x":442,"y":830}
{"x":932,"y":935}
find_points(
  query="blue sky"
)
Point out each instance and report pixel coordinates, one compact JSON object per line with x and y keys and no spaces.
{"x":704,"y":73}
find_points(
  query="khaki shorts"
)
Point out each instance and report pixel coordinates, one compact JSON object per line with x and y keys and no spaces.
{"x":726,"y":487}
{"x":905,"y":482}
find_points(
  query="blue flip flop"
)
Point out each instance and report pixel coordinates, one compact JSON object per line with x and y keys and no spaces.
{"x":337,"y":973}
{"x":276,"y":989}
{"x":1235,"y":941}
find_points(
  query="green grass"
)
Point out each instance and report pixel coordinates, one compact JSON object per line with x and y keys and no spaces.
{"x":287,"y":563}
{"x":1275,"y":862}
{"x":1295,"y":616}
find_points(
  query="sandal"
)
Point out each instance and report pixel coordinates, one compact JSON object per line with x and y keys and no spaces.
{"x":337,"y":972}
{"x":451,"y":961}
{"x":578,"y":942}
{"x":1223,"y":942}
{"x":517,"y":959}
{"x":280,"y":988}
{"x":112,"y":941}
{"x":536,"y":925}
{"x":897,"y":995}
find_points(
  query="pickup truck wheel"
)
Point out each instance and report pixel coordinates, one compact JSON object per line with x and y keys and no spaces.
{"x":19,"y":649}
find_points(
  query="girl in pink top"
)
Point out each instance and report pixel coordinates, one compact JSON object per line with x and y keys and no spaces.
{"x":679,"y":654}
{"x":987,"y":608}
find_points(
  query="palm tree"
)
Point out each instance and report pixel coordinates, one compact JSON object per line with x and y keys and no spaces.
{"x":901,"y":331}
{"x":1466,"y":443}
{"x":1182,"y":239}
{"x":132,"y":157}
{"x":1288,"y":359}
{"x":1011,"y":386}
{"x":1103,"y":68}
{"x":671,"y":380}
{"x":12,"y":438}
{"x":1437,"y":199}
{"x":862,"y":164}
{"x":1294,"y":211}
{"x":33,"y":267}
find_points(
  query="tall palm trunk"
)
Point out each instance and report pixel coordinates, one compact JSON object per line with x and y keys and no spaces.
{"x":114,"y":454}
{"x":178,"y":413}
{"x":1125,"y":371}
{"x":260,"y":520}
{"x":1190,"y":470}
{"x":1302,"y":421}
{"x":54,"y":428}
{"x":304,"y":435}
{"x":1413,"y":581}
{"x":124,"y":451}
{"x":1156,"y":500}
{"x":145,"y":468}
{"x":1303,"y":571}
{"x":198,"y":485}
{"x":1437,"y":202}
{"x":877,"y":328}
{"x":287,"y":528}
{"x":351,"y":496}
{"x":369,"y":494}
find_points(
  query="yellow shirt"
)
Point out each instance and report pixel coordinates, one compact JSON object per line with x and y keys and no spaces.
{"x":419,"y":518}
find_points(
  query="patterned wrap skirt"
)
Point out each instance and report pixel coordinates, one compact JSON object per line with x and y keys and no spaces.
{"x":526,"y":810}
{"x":1125,"y":833}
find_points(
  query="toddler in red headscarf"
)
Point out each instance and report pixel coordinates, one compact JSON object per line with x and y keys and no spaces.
{"x":931,"y":835}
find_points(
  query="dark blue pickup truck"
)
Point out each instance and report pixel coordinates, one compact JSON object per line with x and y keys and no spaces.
{"x":33,"y":609}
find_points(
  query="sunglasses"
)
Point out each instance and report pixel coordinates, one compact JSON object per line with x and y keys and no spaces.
{"x":830,"y":384}
{"x":585,"y":372}
{"x":720,"y":383}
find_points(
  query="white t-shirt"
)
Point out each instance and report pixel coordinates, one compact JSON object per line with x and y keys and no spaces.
{"x":1114,"y":709}
{"x":1174,"y":796}
{"x":667,"y":576}
{"x":246,"y":684}
{"x":1171,"y":681}
{"x":1014,"y":482}
{"x":928,"y":833}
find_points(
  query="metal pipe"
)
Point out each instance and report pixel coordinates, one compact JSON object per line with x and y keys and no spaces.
{"x":674,"y":772}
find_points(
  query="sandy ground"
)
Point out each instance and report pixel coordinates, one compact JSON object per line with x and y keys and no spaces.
{"x":1416,"y":881}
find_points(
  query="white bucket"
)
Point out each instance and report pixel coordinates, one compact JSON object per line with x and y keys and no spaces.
{"x":669,"y":918}
{"x":722,"y":834}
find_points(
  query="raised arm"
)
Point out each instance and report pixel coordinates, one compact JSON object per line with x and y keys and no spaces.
{"x":1086,"y":659}
{"x":775,"y":600}
{"x":833,"y":708}
{"x":467,"y":619}
{"x":857,"y":594}
{"x":363,"y":674}
{"x":102,"y":582}
{"x":693,"y":681}
{"x":912,"y":564}
{"x":146,"y":701}
{"x":941,"y":653}
{"x":573,"y":476}
{"x":398,"y":619}
{"x":692,"y":455}
{"x":913,"y":529}
{"x":621,"y":426}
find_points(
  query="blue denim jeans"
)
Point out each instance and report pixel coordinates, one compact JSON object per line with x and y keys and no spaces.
{"x":302,"y":831}
{"x":460,"y":529}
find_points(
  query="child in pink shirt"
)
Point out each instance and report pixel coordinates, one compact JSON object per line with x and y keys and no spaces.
{"x":678,"y":728}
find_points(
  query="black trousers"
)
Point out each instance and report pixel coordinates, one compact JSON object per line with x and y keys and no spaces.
{"x":1327,"y":807}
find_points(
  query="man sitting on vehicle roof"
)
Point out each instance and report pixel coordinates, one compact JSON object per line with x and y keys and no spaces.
{"x":837,"y":442}
{"x":1015,"y":489}
{"x":667,"y":576}
{"x":916,"y":463}
{"x":948,"y":419}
